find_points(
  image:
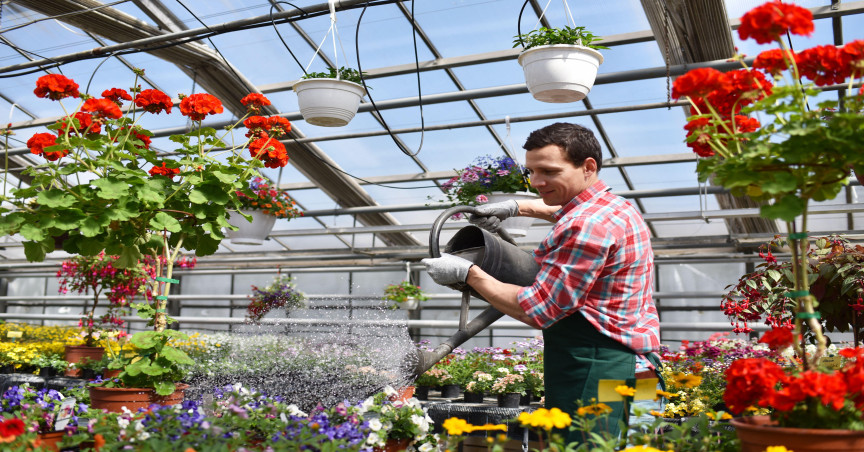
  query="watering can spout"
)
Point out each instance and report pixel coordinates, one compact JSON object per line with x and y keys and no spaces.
{"x":427,"y":359}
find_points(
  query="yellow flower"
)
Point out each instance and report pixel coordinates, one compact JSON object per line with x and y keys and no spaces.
{"x":724,"y":416}
{"x":656,"y":413}
{"x":778,"y":449}
{"x":642,"y":449}
{"x":545,"y":419}
{"x":665,"y":394}
{"x":596,"y":409}
{"x":625,"y":391}
{"x":456,"y":426}
{"x":686,"y":380}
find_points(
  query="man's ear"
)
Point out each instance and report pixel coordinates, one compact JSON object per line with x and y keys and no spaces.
{"x":590,"y":166}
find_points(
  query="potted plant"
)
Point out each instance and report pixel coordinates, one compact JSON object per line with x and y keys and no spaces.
{"x":404,"y":295}
{"x":777,"y":144}
{"x":50,"y":365}
{"x":508,"y":386}
{"x":395,"y":425}
{"x":836,"y":270}
{"x":492,"y":179}
{"x":282,"y":293}
{"x":261,"y":205}
{"x":476,"y":388}
{"x":560,"y":64}
{"x":137,"y":202}
{"x":43,"y":413}
{"x":95,"y":275}
{"x":330,"y":99}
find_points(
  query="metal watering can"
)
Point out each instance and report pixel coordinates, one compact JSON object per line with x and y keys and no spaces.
{"x":501,"y":259}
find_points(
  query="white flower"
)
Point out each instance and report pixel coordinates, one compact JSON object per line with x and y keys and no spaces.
{"x":374,"y":440}
{"x":420,"y":421}
{"x":122,"y":422}
{"x":375,"y":425}
{"x":389,"y":391}
{"x":503,"y":370}
{"x":294,"y":410}
{"x":426,"y":447}
{"x":368,"y":403}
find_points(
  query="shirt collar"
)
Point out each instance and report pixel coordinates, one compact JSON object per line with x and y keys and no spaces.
{"x":590,"y":192}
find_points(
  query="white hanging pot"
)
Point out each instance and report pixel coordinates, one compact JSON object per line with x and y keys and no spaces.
{"x":328,"y":102}
{"x":253,"y":233}
{"x":560,"y":73}
{"x":410,"y":304}
{"x":515,"y":226}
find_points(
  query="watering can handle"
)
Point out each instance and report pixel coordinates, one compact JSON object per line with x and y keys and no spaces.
{"x":434,"y":249}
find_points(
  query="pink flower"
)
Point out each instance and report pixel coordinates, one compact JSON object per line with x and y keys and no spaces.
{"x":481,"y":199}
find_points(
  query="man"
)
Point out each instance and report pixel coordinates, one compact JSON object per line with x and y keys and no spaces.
{"x":593,"y":295}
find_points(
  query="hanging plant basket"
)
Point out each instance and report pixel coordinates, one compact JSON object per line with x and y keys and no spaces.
{"x":253,"y":233}
{"x":328,"y":102}
{"x":516,"y":226}
{"x":409,"y":304}
{"x":560,"y":73}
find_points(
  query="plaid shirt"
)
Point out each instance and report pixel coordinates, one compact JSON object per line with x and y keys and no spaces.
{"x":597,"y":260}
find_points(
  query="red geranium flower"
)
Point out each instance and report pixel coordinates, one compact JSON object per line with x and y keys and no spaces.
{"x":741,"y":88}
{"x":117,"y":95}
{"x":854,"y":53}
{"x":699,"y":145}
{"x":772,"y":62}
{"x":163,"y":171}
{"x":256,"y":125}
{"x":198,"y":106}
{"x":697,"y":83}
{"x":103,"y":108}
{"x":85,"y":122}
{"x":154,"y":101}
{"x":270,"y":151}
{"x":254,"y":102}
{"x":766,"y":23}
{"x":750,"y":381}
{"x":777,"y":338}
{"x":824,"y":65}
{"x":38,"y":142}
{"x":56,"y":87}
{"x":278,"y":126}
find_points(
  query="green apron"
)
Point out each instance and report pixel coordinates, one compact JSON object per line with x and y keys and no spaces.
{"x":576,"y":357}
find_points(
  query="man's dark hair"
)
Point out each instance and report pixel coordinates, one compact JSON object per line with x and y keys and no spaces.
{"x":577,"y":142}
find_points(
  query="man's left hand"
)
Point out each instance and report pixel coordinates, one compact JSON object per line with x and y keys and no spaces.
{"x":447,"y":270}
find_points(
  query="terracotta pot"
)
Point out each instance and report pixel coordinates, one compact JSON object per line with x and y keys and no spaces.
{"x":509,"y":400}
{"x":403,"y":394}
{"x":75,"y":354}
{"x":758,"y":432}
{"x":114,"y":399}
{"x":108,"y":374}
{"x":394,"y":445}
{"x":49,"y":440}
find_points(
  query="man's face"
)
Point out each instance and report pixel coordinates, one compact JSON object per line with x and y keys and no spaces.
{"x":553,"y":175}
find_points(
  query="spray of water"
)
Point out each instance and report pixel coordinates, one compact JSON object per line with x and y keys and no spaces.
{"x":309,"y":361}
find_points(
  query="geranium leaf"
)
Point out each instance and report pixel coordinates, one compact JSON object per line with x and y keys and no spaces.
{"x":163,"y":221}
{"x":215,"y":194}
{"x":176,"y":355}
{"x":110,"y":188}
{"x":34,"y":251}
{"x":90,"y":227}
{"x":197,"y":196}
{"x":54,"y":198}
{"x":68,"y":219}
{"x":128,"y":257}
{"x":786,"y":209}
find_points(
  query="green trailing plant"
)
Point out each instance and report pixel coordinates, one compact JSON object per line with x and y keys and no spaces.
{"x":345,"y":73}
{"x":550,"y":36}
{"x":400,"y":293}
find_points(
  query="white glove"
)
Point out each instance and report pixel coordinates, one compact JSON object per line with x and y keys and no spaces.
{"x":448,"y":269}
{"x":489,"y":216}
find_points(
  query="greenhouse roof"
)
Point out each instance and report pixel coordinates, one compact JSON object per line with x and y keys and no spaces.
{"x":445,"y":91}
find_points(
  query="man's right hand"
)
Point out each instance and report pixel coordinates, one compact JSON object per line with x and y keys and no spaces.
{"x":489,"y":216}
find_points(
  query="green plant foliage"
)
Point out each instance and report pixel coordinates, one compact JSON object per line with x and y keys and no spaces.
{"x":550,"y":36}
{"x":349,"y":74}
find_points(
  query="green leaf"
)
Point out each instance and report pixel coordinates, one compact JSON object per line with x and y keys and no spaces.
{"x":90,"y":227}
{"x":55,"y":198}
{"x":197,"y":196}
{"x":35,"y":251}
{"x":163,"y":221}
{"x":215,"y":194}
{"x":786,"y":209}
{"x":129,"y":257}
{"x":144,"y":339}
{"x":89,"y":246}
{"x":32,"y":232}
{"x":165,"y":388}
{"x":176,"y":355}
{"x":111,"y":188}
